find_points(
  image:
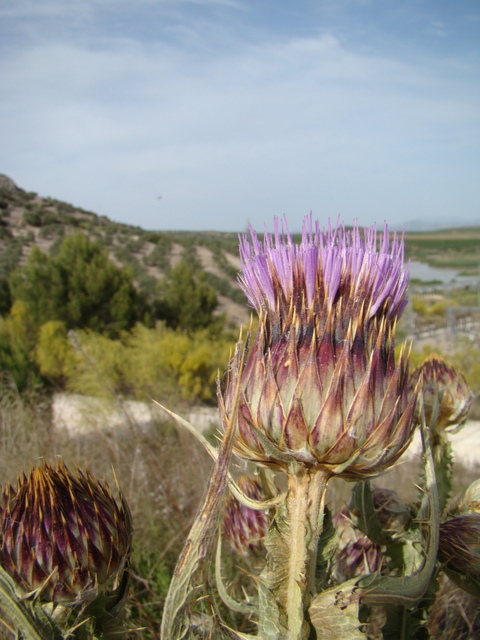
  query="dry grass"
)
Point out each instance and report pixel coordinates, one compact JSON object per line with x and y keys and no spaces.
{"x":162,"y":473}
{"x":25,"y":434}
{"x":455,"y":614}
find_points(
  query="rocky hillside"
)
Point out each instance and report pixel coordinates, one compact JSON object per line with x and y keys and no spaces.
{"x":28,"y":219}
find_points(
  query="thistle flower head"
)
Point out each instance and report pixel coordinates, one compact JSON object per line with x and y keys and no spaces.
{"x":245,"y":528}
{"x":441,"y":385}
{"x":63,"y":533}
{"x":320,"y":384}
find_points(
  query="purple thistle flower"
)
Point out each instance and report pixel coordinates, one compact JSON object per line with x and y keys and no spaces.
{"x":326,"y":264}
{"x":320,"y":384}
{"x":64,"y":533}
{"x":277,"y":270}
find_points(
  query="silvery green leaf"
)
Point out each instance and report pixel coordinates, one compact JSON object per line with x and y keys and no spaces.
{"x":334,"y":613}
{"x":327,"y":548}
{"x":25,"y":614}
{"x":233,"y":605}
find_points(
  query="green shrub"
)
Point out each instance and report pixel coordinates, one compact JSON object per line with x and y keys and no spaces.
{"x":159,"y":363}
{"x":17,"y":344}
{"x":159,"y":256}
{"x":99,"y":367}
{"x":54,"y":352}
{"x":188,"y":301}
{"x":5,"y":296}
{"x":80,"y":286}
{"x":10,"y":255}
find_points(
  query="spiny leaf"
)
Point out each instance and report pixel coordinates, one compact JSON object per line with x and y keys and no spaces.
{"x":182,"y":591}
{"x":408,"y":590}
{"x":405,"y":623}
{"x":213,"y":453}
{"x":364,"y":515}
{"x":240,"y":607}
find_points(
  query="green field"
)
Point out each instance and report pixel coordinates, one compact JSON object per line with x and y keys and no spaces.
{"x":452,"y":248}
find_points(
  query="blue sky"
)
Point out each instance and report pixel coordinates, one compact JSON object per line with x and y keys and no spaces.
{"x":209,"y":114}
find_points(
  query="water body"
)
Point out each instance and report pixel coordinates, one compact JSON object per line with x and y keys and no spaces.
{"x":422,"y":271}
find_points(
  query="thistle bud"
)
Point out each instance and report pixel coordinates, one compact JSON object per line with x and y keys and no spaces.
{"x":392,"y":513}
{"x":471,"y":499}
{"x":245,"y":528}
{"x":442,"y":385}
{"x":64,"y":534}
{"x":459,"y":550}
{"x":320,"y":385}
{"x":357,"y":554}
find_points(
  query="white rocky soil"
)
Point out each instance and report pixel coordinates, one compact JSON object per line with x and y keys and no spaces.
{"x":80,"y":415}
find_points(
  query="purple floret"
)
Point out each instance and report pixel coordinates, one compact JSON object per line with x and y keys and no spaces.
{"x":327,"y":264}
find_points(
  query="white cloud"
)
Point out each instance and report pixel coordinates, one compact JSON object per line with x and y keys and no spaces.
{"x":278,"y":88}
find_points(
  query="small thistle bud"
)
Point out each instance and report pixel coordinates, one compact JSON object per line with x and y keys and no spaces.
{"x":392,"y":513}
{"x":320,"y":385}
{"x":245,"y":528}
{"x":441,"y":384}
{"x":63,"y":533}
{"x":471,"y":500}
{"x":357,"y":555}
{"x":459,"y":550}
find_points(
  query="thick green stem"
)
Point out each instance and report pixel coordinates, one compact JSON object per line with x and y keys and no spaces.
{"x":306,"y":492}
{"x":292,"y":556}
